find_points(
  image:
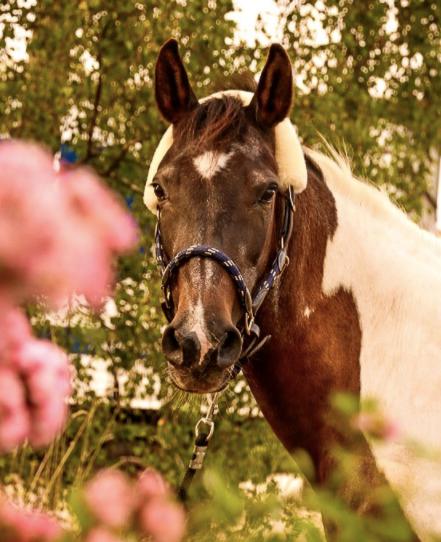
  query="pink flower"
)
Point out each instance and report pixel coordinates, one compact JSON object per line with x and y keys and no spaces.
{"x":47,"y":422}
{"x":150,"y":484}
{"x":375,"y":425}
{"x":163,"y":520}
{"x":24,"y":526}
{"x":14,"y":416}
{"x":98,"y":208}
{"x":100,"y":534}
{"x":46,"y":374}
{"x":58,"y":233}
{"x":46,"y":368}
{"x":110,"y":498}
{"x":14,"y":330}
{"x":29,"y":212}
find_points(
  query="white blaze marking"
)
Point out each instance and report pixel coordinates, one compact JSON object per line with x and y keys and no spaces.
{"x":197,"y":325}
{"x":211,"y":162}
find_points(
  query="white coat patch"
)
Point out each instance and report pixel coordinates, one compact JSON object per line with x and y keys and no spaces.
{"x":209,"y":163}
{"x":392,"y":269}
{"x":307,"y":312}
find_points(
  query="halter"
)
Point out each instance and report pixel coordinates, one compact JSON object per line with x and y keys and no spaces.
{"x":249,"y":303}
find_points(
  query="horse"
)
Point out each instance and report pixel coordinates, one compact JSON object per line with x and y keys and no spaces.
{"x":357,"y":309}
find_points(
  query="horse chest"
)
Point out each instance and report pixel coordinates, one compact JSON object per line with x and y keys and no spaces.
{"x":303,"y":364}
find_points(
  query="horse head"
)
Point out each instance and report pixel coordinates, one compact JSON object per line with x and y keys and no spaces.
{"x":217,"y":179}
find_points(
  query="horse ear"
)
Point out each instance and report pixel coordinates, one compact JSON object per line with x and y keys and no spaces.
{"x":272,"y":99}
{"x":173,"y":92}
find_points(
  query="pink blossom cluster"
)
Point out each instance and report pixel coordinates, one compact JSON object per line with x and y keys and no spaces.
{"x":17,"y":525}
{"x":376,"y":425}
{"x":119,"y":508}
{"x":58,"y":235}
{"x":144,"y":507}
{"x":34,"y":384}
{"x":58,"y":231}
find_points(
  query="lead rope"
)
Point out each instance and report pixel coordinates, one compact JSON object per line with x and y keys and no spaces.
{"x":203,"y":432}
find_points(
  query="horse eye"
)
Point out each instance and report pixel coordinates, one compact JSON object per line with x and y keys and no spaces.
{"x":268,"y":195}
{"x":159,"y":192}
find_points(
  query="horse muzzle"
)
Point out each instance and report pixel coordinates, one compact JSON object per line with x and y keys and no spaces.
{"x":196,"y":348}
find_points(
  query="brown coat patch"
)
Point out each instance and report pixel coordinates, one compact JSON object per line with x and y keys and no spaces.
{"x":312,"y":355}
{"x":308,"y":357}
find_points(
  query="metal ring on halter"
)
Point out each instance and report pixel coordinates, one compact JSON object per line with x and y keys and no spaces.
{"x":249,"y":322}
{"x":209,"y":423}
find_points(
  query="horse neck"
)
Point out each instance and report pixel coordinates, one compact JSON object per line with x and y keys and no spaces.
{"x":309,"y":354}
{"x":392,"y":269}
{"x":357,"y":310}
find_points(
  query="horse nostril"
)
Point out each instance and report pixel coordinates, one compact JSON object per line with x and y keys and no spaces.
{"x":229,"y":349}
{"x":180,"y":349}
{"x":171,"y":346}
{"x":191,"y":349}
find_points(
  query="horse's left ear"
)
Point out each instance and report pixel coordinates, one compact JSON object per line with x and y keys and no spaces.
{"x":174,"y":95}
{"x":272,"y":99}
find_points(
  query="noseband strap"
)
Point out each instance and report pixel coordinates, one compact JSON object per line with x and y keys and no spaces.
{"x":205,"y":251}
{"x":249,"y":303}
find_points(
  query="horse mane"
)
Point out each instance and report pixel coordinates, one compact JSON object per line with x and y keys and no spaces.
{"x":368,"y":197}
{"x":220,"y":118}
{"x":237,"y":81}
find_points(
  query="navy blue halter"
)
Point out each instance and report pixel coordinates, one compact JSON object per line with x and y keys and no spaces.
{"x":249,"y":303}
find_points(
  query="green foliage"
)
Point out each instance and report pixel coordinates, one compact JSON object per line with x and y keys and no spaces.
{"x":368,"y":78}
{"x":370,"y":83}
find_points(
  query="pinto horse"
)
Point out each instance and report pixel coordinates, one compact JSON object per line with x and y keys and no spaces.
{"x":358,"y":308}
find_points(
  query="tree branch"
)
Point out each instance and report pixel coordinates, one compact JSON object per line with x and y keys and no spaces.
{"x":116,"y":162}
{"x":431,"y":200}
{"x":96,"y":103}
{"x":131,"y":186}
{"x":97,"y":98}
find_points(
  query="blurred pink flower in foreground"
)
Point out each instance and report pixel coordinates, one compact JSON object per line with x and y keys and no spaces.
{"x":110,"y":498}
{"x":101,"y":534}
{"x":163,"y":520}
{"x":15,"y":419}
{"x":35,"y":382}
{"x":58,"y":236}
{"x":58,"y":232}
{"x":151,"y":484}
{"x":117,"y":511}
{"x":158,"y":516}
{"x":18,"y":525}
{"x":47,"y":378}
{"x":14,"y":329}
{"x":146,"y":507}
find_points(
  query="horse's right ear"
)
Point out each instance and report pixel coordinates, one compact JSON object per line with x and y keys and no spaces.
{"x":173,"y":92}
